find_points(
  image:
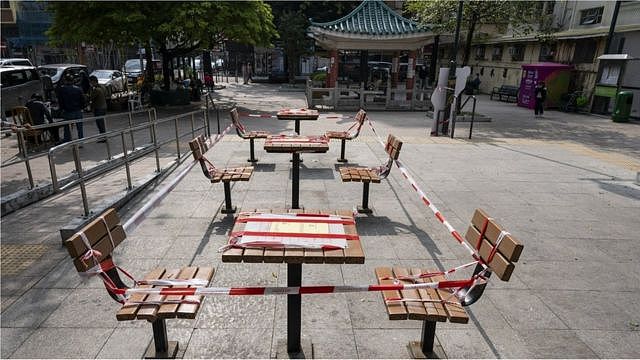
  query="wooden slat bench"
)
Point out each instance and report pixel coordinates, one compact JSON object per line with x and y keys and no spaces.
{"x":351,"y":133}
{"x":243,"y":133}
{"x":225,"y":175}
{"x":369,"y":175}
{"x":104,"y":234}
{"x":432,"y":308}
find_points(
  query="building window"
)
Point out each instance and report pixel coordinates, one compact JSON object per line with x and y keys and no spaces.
{"x":497,"y":52}
{"x":504,"y":72}
{"x":591,"y":16}
{"x":585,"y":51}
{"x":517,"y":52}
{"x":5,"y":5}
{"x":547,"y":52}
{"x":480,"y":52}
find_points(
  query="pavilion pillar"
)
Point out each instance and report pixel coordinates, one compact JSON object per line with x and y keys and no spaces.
{"x":411,"y":72}
{"x":333,"y":68}
{"x":395,"y":66}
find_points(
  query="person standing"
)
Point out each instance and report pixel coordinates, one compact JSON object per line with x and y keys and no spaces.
{"x":71,"y":101}
{"x":41,"y":115}
{"x":540,"y":95}
{"x":422,"y":73}
{"x":98,"y":104}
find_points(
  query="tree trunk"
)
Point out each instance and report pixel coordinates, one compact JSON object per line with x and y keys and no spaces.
{"x":149,"y":73}
{"x":166,"y":72}
{"x":291,"y":67}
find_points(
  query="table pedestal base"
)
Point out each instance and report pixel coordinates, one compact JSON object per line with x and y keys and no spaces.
{"x":306,"y":350}
{"x":152,"y":353}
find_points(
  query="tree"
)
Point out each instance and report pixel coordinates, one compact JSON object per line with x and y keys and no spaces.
{"x":441,"y":15}
{"x":175,"y":28}
{"x":292,"y":21}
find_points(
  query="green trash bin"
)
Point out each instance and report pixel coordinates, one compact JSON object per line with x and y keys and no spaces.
{"x":622,"y":108}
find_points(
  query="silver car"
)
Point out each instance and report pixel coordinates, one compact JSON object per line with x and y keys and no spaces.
{"x":113,"y":80}
{"x":17,"y":84}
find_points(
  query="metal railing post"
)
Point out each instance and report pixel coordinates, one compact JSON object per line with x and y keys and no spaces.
{"x":83,"y":190}
{"x":23,"y":148}
{"x":155,"y":146}
{"x":207,"y":131}
{"x":126,"y":161}
{"x":175,"y":121}
{"x":193,"y":129}
{"x":52,"y":169}
{"x":473,"y":116}
{"x":133,"y":142}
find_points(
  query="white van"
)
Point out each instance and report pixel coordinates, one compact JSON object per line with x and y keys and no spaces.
{"x":17,"y":84}
{"x":15,"y":62}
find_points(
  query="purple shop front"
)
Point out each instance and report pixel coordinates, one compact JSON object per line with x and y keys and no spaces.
{"x":555,"y":76}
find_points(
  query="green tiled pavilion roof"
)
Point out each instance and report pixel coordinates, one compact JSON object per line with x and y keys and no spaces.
{"x":372,"y":17}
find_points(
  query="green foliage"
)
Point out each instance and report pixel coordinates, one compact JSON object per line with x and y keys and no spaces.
{"x":582,"y":101}
{"x":521,"y":16}
{"x":321,"y":76}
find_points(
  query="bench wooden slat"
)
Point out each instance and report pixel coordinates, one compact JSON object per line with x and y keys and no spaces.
{"x":234,"y":254}
{"x":167,"y":311}
{"x":94,"y":231}
{"x":396,"y":311}
{"x":435,"y":311}
{"x":189,"y":311}
{"x":103,"y":246}
{"x":150,"y":311}
{"x":499,"y":264}
{"x":510,"y":247}
{"x":415,"y":310}
{"x":456,"y":312}
{"x":128,"y":311}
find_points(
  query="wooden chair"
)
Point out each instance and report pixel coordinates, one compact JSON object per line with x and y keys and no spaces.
{"x":440,"y":305}
{"x":372,"y":175}
{"x":92,"y":256}
{"x":226,"y":176}
{"x":243,"y":133}
{"x":351,"y":133}
{"x":22,"y":118}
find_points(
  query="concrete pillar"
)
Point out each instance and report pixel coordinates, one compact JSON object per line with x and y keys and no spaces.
{"x":332,"y":77}
{"x":411,"y":72}
{"x":395,"y":67}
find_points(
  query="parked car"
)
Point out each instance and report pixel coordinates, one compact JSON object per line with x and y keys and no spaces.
{"x":15,"y":62}
{"x":58,"y":71}
{"x":113,"y":80}
{"x":133,"y":70}
{"x":17,"y":84}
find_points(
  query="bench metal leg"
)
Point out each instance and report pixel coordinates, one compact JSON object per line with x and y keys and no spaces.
{"x":295,"y":181}
{"x":161,"y":348}
{"x":428,"y":336}
{"x":342,"y":146}
{"x":252,"y":158}
{"x":228,"y":207}
{"x":294,"y":278}
{"x":364,"y":209}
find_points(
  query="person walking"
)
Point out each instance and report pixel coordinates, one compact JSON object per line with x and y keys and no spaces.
{"x":41,"y":115}
{"x":540,"y":94}
{"x":71,"y":101}
{"x":98,"y":104}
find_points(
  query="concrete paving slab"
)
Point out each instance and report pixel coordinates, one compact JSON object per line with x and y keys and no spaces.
{"x":612,"y":344}
{"x":555,"y":344}
{"x":33,"y":307}
{"x":12,"y":338}
{"x":245,"y":343}
{"x":531,"y":312}
{"x":92,"y":308}
{"x":385,"y":343}
{"x":63,"y":343}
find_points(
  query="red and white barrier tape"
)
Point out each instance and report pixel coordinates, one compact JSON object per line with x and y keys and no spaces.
{"x":294,"y":290}
{"x":269,"y":116}
{"x":142,"y":214}
{"x":456,"y":235}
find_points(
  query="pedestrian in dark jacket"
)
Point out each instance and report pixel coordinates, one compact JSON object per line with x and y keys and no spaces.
{"x":98,"y":104}
{"x":39,"y":112}
{"x":71,"y":101}
{"x":540,"y":94}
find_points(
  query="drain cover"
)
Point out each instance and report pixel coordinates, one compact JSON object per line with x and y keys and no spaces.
{"x":14,"y":259}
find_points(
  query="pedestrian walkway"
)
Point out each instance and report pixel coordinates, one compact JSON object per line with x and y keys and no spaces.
{"x":563,"y":184}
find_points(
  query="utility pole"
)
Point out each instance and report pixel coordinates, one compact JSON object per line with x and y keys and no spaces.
{"x":612,"y":27}
{"x":454,"y":55}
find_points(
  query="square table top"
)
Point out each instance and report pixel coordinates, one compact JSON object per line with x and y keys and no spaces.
{"x":352,"y":254}
{"x":296,"y":143}
{"x":298,"y":114}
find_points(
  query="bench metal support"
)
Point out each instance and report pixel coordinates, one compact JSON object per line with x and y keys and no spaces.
{"x":294,"y":279}
{"x":364,"y":209}
{"x":424,"y":349}
{"x":342,"y":146}
{"x":252,"y":158}
{"x":161,"y":348}
{"x":295,"y":181}
{"x":228,"y":207}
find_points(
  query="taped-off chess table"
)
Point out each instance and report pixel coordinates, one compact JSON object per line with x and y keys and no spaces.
{"x":294,"y":237}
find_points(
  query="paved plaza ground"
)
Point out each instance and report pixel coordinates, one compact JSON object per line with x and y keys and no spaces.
{"x":565,"y":185}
